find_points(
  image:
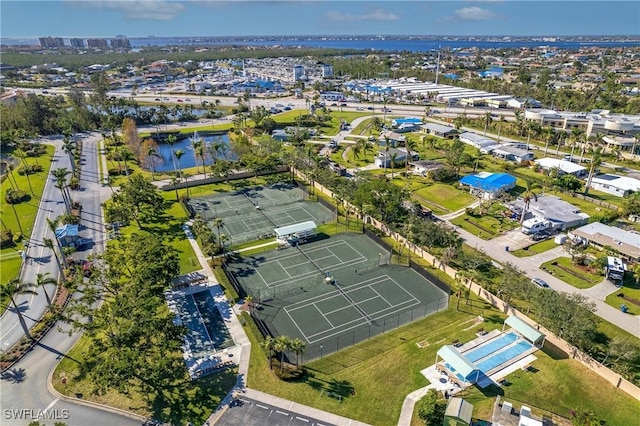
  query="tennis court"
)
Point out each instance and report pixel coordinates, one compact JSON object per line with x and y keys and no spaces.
{"x":364,"y":296}
{"x":253,"y":213}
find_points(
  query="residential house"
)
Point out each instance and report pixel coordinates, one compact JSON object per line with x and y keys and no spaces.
{"x":602,"y":236}
{"x":561,"y":214}
{"x":383,"y":158}
{"x":422,"y":167}
{"x":563,"y":166}
{"x":620,"y":186}
{"x":489,"y":185}
{"x":439,"y":130}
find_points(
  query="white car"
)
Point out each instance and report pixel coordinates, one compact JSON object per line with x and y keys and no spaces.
{"x":540,"y":282}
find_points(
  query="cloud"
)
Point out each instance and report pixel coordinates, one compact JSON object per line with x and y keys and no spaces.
{"x":370,"y":15}
{"x":472,"y":14}
{"x":151,"y":10}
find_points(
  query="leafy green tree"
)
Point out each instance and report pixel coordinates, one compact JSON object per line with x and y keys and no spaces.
{"x":430,"y":409}
{"x":454,"y":155}
{"x":384,"y":198}
{"x":137,"y":199}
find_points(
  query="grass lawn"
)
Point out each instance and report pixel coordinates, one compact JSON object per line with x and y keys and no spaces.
{"x":567,"y":386}
{"x":186,"y":401}
{"x":581,"y":279}
{"x":445,"y":195}
{"x":536,"y":248}
{"x":631,"y":292}
{"x":485,"y":227}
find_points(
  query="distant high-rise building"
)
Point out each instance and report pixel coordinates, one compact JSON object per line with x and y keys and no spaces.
{"x":51,"y":42}
{"x":97,"y":43}
{"x":120,"y":42}
{"x":298,"y":72}
{"x":327,"y":70}
{"x":78,"y":43}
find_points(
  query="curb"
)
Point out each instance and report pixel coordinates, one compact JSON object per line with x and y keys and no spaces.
{"x":91,"y":404}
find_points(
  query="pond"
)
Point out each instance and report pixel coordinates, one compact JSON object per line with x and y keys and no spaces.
{"x":188,"y":159}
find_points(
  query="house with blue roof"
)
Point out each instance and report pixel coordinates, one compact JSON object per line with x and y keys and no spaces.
{"x":68,"y":236}
{"x":489,"y":185}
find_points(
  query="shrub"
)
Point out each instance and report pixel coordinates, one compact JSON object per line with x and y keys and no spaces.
{"x":70,"y":219}
{"x":6,"y":238}
{"x":430,"y":410}
{"x":15,"y":196}
{"x":17,"y":237}
{"x":74,"y":183}
{"x":30,"y":169}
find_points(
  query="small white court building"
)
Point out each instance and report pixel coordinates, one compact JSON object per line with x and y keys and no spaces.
{"x":297,"y":231}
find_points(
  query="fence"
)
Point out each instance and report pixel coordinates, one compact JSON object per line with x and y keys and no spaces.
{"x":234,"y":281}
{"x":218,"y":179}
{"x":367,"y":331}
{"x":604,"y":372}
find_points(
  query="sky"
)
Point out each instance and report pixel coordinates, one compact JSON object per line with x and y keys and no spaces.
{"x":140,"y":18}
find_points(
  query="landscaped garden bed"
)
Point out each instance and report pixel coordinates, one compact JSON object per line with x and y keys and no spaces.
{"x":576,"y":275}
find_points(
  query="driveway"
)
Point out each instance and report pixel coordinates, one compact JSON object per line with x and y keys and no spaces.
{"x":530,"y":266}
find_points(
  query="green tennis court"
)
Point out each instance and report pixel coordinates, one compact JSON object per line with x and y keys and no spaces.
{"x":253,"y":213}
{"x":366,"y":295}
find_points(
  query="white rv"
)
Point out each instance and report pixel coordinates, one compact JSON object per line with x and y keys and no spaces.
{"x":532,"y":226}
{"x":615,"y":269}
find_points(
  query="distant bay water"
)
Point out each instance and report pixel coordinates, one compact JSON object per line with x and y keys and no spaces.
{"x":411,"y":45}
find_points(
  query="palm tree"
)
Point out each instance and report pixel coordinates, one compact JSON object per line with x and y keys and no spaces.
{"x":527,"y":196}
{"x":151,"y":153}
{"x":126,"y":155}
{"x":487,"y":122}
{"x":171,"y":140}
{"x":61,"y":183}
{"x":48,"y":242}
{"x":268,"y":346}
{"x":178,"y":154}
{"x":43,"y":280}
{"x":14,"y":288}
{"x":560,"y":140}
{"x":576,"y":135}
{"x":596,"y":160}
{"x":298,"y":347}
{"x":53,"y":225}
{"x":549,"y":134}
{"x":411,"y":147}
{"x":281,"y":344}
{"x":217,"y":222}
{"x":195,"y":144}
{"x":69,"y":147}
{"x":393,"y":156}
{"x":174,"y":182}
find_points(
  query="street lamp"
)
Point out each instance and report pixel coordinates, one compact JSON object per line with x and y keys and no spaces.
{"x":321,"y":350}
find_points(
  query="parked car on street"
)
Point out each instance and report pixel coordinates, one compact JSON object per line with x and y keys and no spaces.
{"x":540,"y":282}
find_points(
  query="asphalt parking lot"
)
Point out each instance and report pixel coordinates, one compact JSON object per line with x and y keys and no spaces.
{"x":248,"y":412}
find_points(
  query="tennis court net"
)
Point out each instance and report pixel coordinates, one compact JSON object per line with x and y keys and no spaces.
{"x":350,"y":300}
{"x":313,"y":262}
{"x":257,"y":206}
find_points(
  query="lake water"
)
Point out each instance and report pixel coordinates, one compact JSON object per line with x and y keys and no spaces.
{"x":188,"y":159}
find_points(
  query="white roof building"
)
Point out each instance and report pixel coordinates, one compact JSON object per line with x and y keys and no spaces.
{"x":625,"y":242}
{"x":615,"y":185}
{"x":563,"y":166}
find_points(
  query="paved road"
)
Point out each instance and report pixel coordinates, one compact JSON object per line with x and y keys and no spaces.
{"x":40,"y":259}
{"x":530,"y":266}
{"x":24,"y":387}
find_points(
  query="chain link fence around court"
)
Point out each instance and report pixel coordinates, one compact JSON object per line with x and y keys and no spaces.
{"x":366,"y":331}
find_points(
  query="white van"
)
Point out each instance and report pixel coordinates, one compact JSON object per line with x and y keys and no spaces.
{"x":531,"y":226}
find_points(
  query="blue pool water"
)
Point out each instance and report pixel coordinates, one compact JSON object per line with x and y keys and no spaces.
{"x":504,"y":356}
{"x":490,"y":347}
{"x":218,"y":332}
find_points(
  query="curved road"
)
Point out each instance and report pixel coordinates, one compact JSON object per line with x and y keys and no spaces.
{"x":23,"y":389}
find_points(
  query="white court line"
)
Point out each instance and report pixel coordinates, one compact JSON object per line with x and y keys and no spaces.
{"x":380,"y":296}
{"x":324,"y":316}
{"x":285,"y":269}
{"x":296,"y":324}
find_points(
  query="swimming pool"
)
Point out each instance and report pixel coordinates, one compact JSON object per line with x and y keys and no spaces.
{"x":504,"y":356}
{"x":218,"y":332}
{"x":490,"y":347}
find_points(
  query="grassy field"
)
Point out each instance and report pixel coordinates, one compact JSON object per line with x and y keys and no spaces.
{"x":485,"y":227}
{"x":395,"y":360}
{"x":186,"y":401}
{"x":536,"y":248}
{"x":584,"y":278}
{"x":631,"y":292}
{"x":25,"y":212}
{"x":446,"y":196}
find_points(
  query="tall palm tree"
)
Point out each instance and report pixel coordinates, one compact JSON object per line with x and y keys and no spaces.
{"x":152,"y":154}
{"x":596,"y":161}
{"x":195,"y":144}
{"x":281,"y":345}
{"x":126,"y":155}
{"x":178,"y":155}
{"x":298,"y":347}
{"x":69,"y":147}
{"x":43,"y":280}
{"x":14,"y":288}
{"x":527,"y":196}
{"x":48,"y":242}
{"x":217,"y":222}
{"x":487,"y":122}
{"x":171,"y":140}
{"x":53,"y":225}
{"x":411,"y":146}
{"x":549,"y":134}
{"x":174,"y":182}
{"x":576,"y":136}
{"x":268,"y":346}
{"x":394,"y":157}
{"x":61,"y":183}
{"x":560,"y":141}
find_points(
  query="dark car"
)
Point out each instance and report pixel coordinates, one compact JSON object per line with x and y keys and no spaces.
{"x":539,"y":236}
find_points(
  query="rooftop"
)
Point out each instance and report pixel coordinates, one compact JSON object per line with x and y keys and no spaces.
{"x":627,"y":243}
{"x":489,"y":181}
{"x":562,"y":165}
{"x":552,"y":208}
